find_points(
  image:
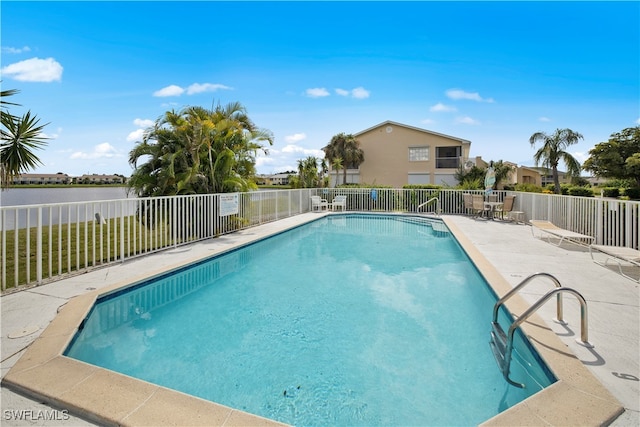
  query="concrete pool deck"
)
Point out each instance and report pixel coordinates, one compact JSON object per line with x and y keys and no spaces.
{"x":32,"y":365}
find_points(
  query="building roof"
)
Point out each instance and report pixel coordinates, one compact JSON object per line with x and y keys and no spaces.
{"x":390,"y":122}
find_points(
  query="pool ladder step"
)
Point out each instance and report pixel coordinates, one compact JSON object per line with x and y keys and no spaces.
{"x":498,"y":343}
{"x":502,"y":343}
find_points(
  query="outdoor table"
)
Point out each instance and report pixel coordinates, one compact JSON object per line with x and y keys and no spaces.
{"x":492,"y":206}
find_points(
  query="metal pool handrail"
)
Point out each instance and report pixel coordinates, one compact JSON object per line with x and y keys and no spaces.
{"x":437,"y":211}
{"x":522,"y":284}
{"x":502,"y":344}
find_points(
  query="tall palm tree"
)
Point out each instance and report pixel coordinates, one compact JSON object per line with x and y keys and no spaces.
{"x":347,"y":148}
{"x":323,"y":171}
{"x":336,"y":164}
{"x":19,"y":136}
{"x":553,"y":151}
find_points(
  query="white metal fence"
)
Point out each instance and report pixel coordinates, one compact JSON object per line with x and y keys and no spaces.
{"x":42,"y":243}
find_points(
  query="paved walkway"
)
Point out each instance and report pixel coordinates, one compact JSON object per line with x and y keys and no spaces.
{"x":613,"y":301}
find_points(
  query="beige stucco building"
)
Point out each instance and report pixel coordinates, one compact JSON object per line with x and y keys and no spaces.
{"x":518,"y":175}
{"x":396,"y":154}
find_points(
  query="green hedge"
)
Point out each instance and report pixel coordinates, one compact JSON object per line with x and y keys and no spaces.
{"x":580,"y":191}
{"x":632,"y":193}
{"x":611,"y":192}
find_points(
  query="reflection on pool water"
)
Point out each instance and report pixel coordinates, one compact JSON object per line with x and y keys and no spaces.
{"x":349,"y":320}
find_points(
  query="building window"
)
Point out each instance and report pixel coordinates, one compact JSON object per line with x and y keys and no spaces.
{"x":448,"y":157}
{"x":418,"y":154}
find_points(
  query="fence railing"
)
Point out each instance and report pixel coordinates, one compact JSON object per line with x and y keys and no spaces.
{"x":43,"y":243}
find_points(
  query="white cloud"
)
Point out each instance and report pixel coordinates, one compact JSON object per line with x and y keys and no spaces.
{"x":358,"y":93}
{"x":427,"y":121}
{"x":285,"y":158}
{"x":317,"y":92}
{"x":440,"y":108}
{"x":52,"y":135}
{"x":7,"y":49}
{"x":295,"y":137}
{"x":175,"y":90}
{"x":34,"y":70}
{"x":49,"y":135}
{"x":172,"y":90}
{"x":580,"y":156}
{"x":461,"y":94}
{"x":136,"y":135}
{"x":143,"y":123}
{"x":296,"y":149}
{"x":206,"y":87}
{"x":104,"y":150}
{"x":544,"y":119}
{"x":263,"y":161}
{"x":467,"y":120}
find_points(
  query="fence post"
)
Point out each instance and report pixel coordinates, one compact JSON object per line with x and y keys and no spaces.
{"x":174,"y":222}
{"x":38,"y":247}
{"x":599,"y":221}
{"x":122,"y":255}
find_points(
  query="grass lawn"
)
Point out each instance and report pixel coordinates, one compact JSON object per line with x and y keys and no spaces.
{"x":73,"y":247}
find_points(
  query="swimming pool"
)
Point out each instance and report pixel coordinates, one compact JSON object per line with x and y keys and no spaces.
{"x":400,"y":304}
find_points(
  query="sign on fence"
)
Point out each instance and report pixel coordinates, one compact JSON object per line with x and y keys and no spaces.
{"x":228,"y":204}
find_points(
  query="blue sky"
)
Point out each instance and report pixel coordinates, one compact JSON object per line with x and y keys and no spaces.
{"x":492,"y":73}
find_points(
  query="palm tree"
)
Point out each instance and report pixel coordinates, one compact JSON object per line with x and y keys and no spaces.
{"x":347,"y":148}
{"x":19,"y":136}
{"x":336,"y":164}
{"x":502,"y":171}
{"x":198,"y":150}
{"x":553,"y":151}
{"x":323,"y":171}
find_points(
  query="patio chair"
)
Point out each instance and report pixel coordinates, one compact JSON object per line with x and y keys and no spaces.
{"x":507,"y":206}
{"x":339,"y":201}
{"x":478,"y":205}
{"x":467,"y":203}
{"x":553,"y":230}
{"x":318,"y":204}
{"x":618,"y":254}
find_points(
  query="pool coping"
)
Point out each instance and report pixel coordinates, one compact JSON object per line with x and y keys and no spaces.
{"x":110,"y":398}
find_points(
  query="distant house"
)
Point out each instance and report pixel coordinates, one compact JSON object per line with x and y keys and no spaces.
{"x":100,"y":179}
{"x":547,"y":176}
{"x":528,"y":175}
{"x":597,"y":181}
{"x":42,"y":178}
{"x":396,"y":154}
{"x":276,"y":179}
{"x":519,"y":174}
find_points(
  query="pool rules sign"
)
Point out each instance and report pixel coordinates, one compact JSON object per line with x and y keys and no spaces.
{"x":228,"y":204}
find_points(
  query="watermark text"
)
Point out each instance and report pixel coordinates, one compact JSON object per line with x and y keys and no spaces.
{"x":35,"y":415}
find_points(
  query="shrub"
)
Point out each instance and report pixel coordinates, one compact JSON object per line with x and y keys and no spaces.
{"x":528,"y":188}
{"x":611,"y":192}
{"x":632,"y":193}
{"x":422,"y":187}
{"x":564,"y":189}
{"x":474,"y":184}
{"x":580,"y":191}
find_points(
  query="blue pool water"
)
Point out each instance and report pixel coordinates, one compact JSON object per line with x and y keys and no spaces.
{"x":349,"y":320}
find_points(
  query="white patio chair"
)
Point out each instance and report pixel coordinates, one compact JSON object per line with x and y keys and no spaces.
{"x":318,"y":204}
{"x":339,"y":201}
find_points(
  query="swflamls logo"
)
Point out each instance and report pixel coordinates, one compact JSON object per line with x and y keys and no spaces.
{"x":35,"y":415}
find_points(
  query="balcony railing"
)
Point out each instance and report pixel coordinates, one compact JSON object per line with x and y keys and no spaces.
{"x":44,"y":243}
